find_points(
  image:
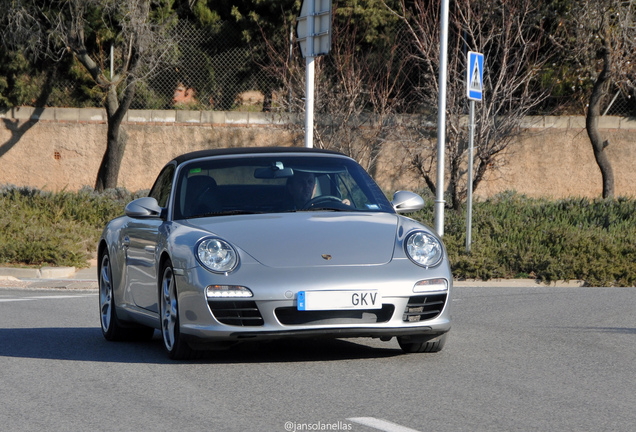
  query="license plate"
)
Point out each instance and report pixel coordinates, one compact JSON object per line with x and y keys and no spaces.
{"x":332,"y":300}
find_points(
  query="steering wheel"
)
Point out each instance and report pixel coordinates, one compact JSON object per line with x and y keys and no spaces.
{"x":312,"y":202}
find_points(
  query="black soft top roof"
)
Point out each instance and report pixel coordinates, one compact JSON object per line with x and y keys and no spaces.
{"x":249,"y":150}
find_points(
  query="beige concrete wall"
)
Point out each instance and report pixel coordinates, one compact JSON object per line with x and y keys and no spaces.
{"x":56,"y":152}
{"x":557,"y":161}
{"x":58,"y":148}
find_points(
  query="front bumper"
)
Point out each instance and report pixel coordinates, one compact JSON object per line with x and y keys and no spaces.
{"x":272,"y":312}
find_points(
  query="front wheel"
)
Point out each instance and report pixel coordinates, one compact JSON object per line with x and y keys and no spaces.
{"x":409,"y":345}
{"x":176,"y":346}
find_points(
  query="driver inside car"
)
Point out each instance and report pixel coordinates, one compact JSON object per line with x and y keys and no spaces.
{"x":301,"y":187}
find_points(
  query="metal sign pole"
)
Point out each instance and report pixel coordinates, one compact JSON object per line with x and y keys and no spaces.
{"x":469,"y":198}
{"x":314,"y":27}
{"x":309,"y":101}
{"x":474,"y":92}
{"x":309,"y":77}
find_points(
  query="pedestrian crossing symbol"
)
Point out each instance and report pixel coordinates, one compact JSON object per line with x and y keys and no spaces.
{"x":475,"y":76}
{"x":475,"y":82}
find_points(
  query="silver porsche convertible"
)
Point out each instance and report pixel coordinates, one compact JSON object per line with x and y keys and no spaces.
{"x":255,"y":244}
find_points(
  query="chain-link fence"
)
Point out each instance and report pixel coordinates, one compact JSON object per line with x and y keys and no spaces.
{"x":214,"y":69}
{"x":618,"y":102}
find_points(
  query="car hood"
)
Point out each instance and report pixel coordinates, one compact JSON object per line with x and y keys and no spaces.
{"x":309,"y":239}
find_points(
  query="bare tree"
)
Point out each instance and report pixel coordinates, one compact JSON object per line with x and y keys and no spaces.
{"x":358,"y":90}
{"x":510,"y":35}
{"x":137,"y":30}
{"x":598,"y":37}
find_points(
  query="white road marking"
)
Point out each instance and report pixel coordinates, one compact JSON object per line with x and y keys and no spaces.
{"x":380,"y":424}
{"x":53,"y":297}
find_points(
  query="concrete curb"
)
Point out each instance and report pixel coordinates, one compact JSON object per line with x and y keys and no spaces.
{"x":516,"y":283}
{"x":37,"y":273}
{"x":50,"y":278}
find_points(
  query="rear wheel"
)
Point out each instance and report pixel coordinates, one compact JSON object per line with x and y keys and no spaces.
{"x":112,"y":328}
{"x":176,"y":346}
{"x":409,"y":345}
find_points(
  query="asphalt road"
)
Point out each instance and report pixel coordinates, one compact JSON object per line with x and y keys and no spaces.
{"x":517,"y":359}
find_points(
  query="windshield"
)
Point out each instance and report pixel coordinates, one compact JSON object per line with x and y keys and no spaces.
{"x":275,"y":184}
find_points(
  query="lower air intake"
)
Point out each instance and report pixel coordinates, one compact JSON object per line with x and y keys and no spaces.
{"x":243,"y":313}
{"x":424,"y":307}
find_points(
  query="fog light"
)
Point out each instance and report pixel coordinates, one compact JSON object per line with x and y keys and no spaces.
{"x":227,"y":291}
{"x":429,"y":285}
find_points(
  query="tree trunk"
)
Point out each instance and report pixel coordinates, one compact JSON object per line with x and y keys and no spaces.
{"x":591,"y":124}
{"x":108,"y":173}
{"x":453,"y":183}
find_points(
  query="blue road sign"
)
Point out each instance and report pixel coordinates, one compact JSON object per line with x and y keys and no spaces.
{"x":475,"y":76}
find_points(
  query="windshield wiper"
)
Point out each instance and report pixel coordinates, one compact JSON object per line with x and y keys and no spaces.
{"x":334,"y":209}
{"x":225,"y":213}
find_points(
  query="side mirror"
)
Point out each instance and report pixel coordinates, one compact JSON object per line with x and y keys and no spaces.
{"x":407,"y":202}
{"x":146,"y":207}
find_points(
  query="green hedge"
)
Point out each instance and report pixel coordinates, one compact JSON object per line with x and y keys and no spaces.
{"x":513,"y":236}
{"x":57,"y":229}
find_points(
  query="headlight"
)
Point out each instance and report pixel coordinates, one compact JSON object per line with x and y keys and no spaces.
{"x":217,"y":255}
{"x":424,"y":249}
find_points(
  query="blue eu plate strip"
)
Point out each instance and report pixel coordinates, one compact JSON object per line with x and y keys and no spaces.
{"x":301,"y":300}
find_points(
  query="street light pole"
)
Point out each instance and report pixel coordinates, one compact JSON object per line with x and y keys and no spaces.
{"x":441,"y":121}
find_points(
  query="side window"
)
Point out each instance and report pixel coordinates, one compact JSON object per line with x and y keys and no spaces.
{"x":161,"y":189}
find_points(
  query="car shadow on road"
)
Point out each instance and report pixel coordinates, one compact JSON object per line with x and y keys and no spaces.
{"x":87,"y":344}
{"x":303,"y":350}
{"x":75,"y":343}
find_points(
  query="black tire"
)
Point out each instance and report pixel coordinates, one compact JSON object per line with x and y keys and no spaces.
{"x":112,"y":328}
{"x":428,"y":346}
{"x":175,"y":345}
